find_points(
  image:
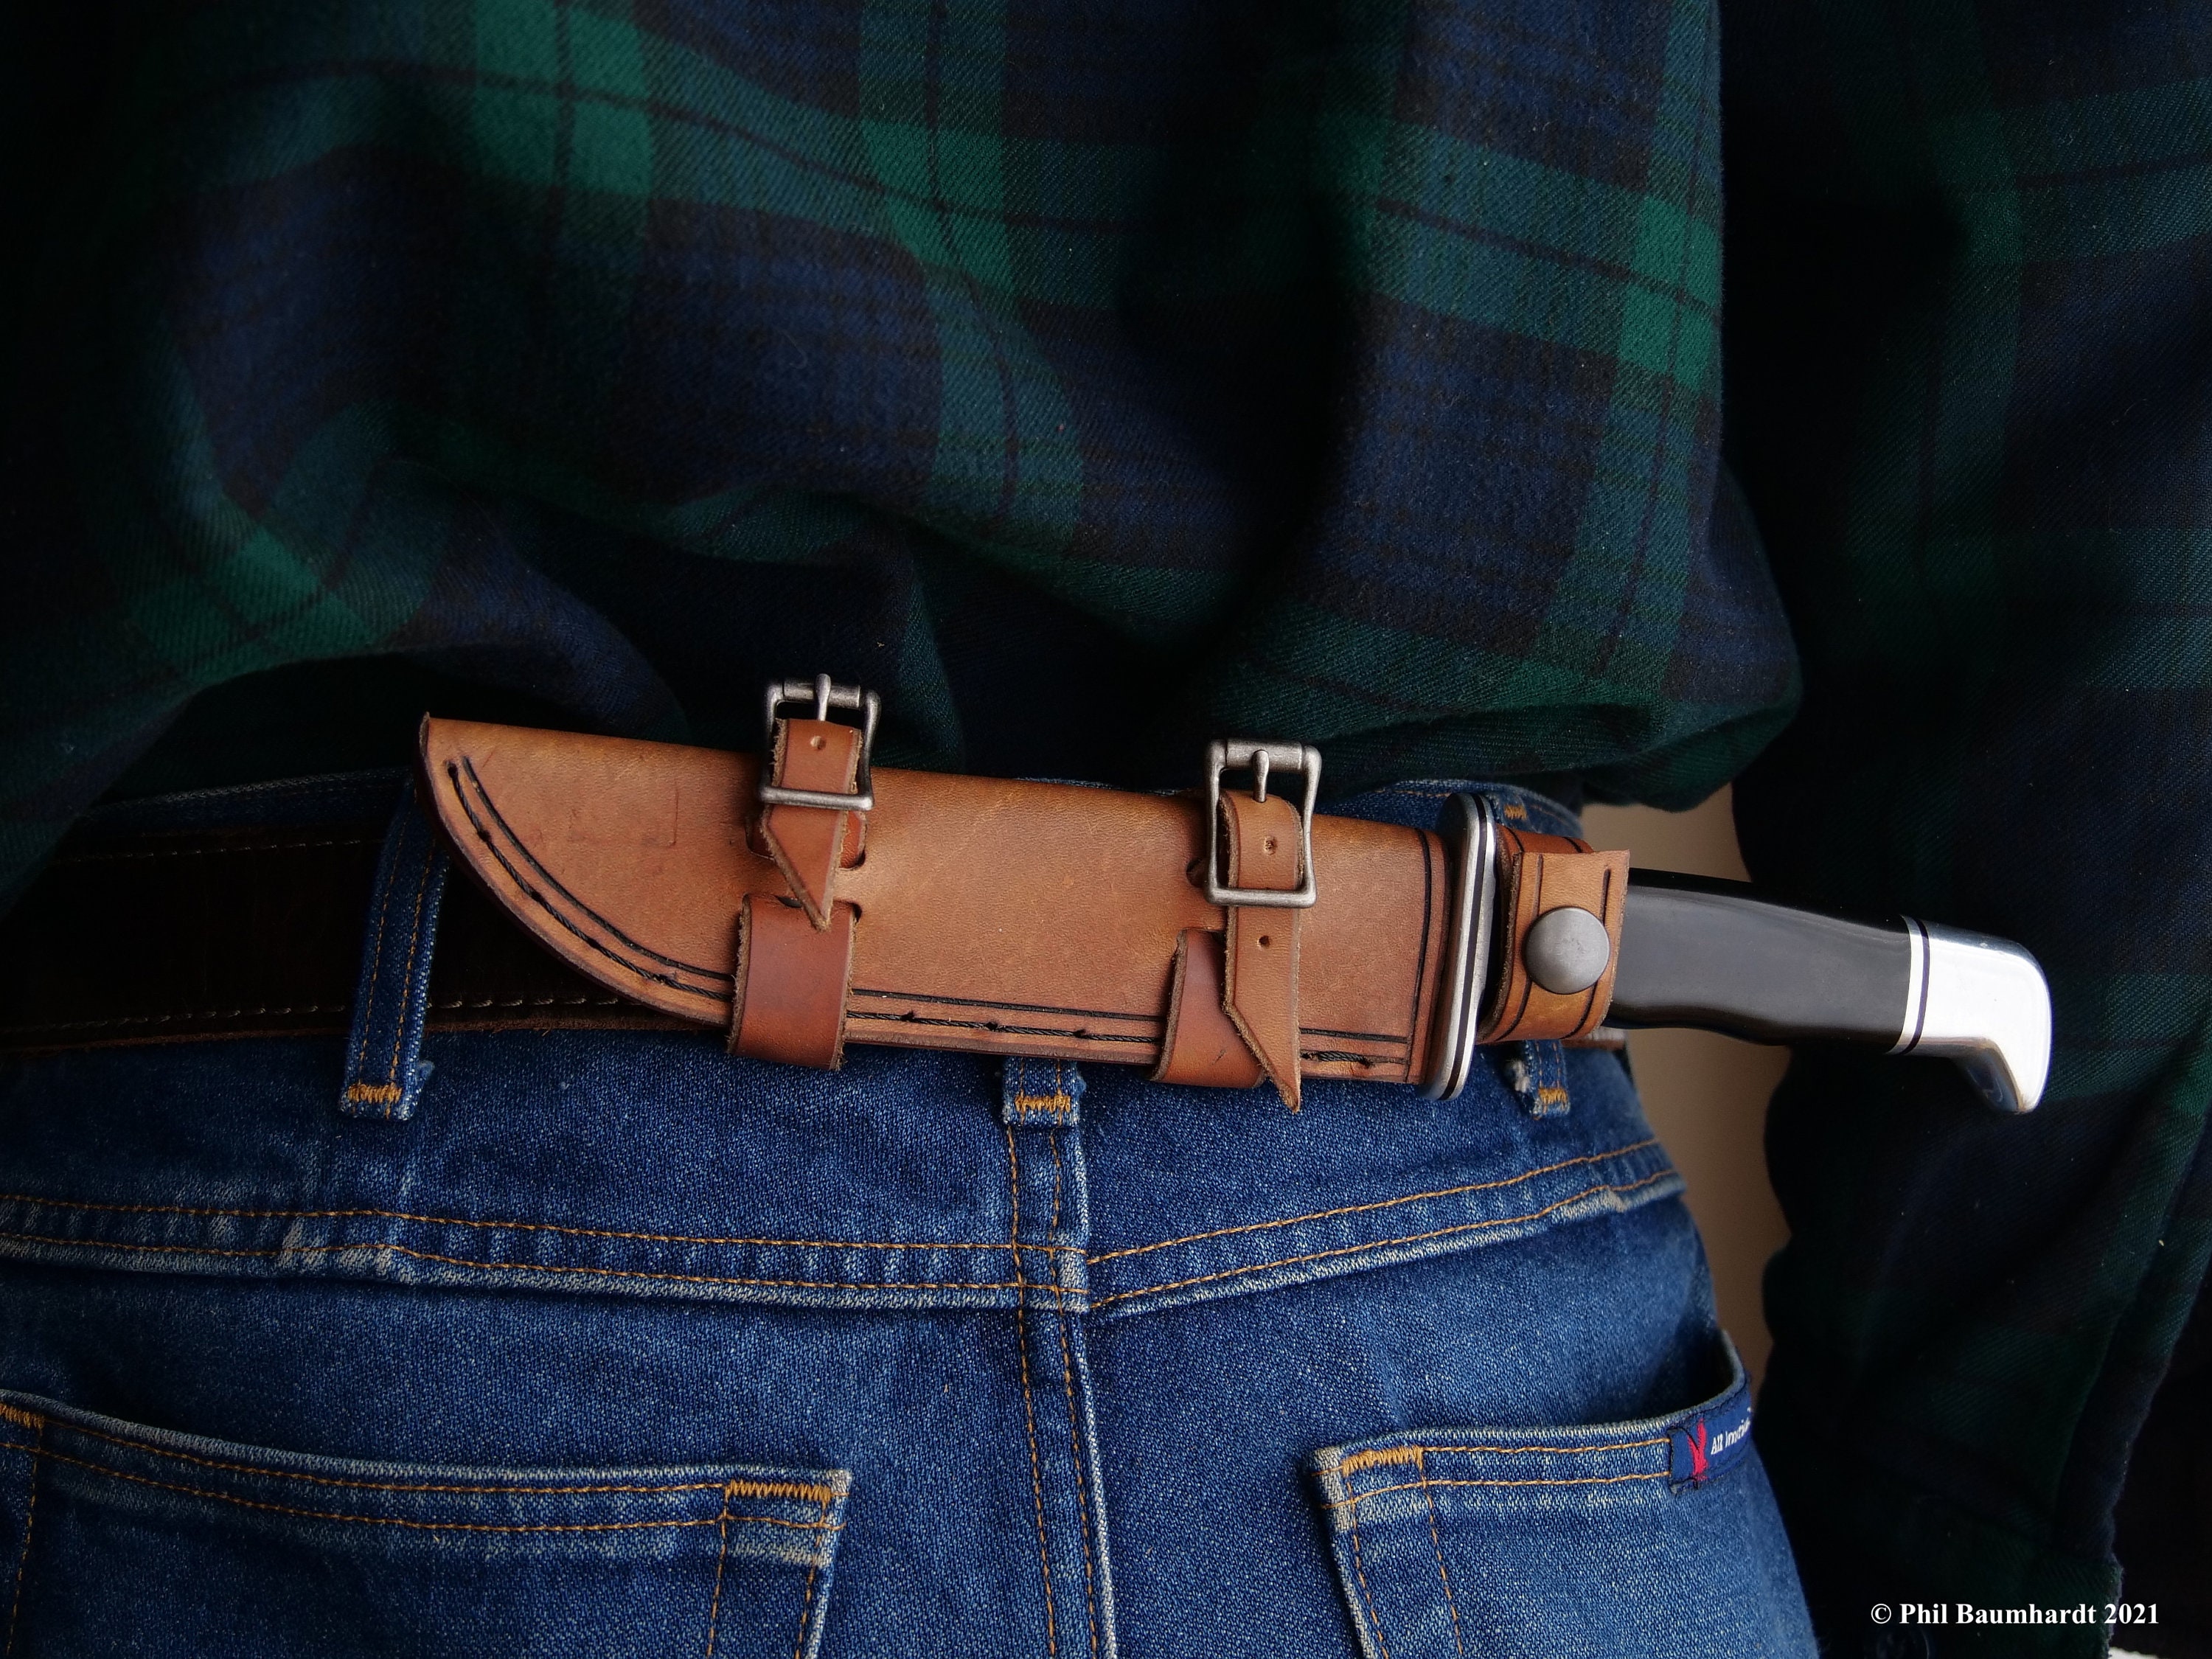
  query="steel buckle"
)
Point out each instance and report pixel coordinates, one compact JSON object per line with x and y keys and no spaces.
{"x":1260,"y":758}
{"x":824,"y":697}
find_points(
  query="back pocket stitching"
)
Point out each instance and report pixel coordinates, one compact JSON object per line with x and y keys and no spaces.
{"x":1359,"y":1569}
{"x":1436,"y":1539}
{"x":806,"y":1606}
{"x":750,"y":1489}
{"x":721,"y":1562}
{"x":30,"y":1514}
{"x":1353,"y":1501}
{"x":403,"y":1521}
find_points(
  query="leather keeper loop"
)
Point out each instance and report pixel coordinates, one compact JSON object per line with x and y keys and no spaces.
{"x":1538,"y":874}
{"x":792,"y":981}
{"x":1260,"y":994}
{"x":810,"y":843}
{"x":1202,"y":1044}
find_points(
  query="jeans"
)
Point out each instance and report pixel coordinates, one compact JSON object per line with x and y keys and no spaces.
{"x":618,"y":1344}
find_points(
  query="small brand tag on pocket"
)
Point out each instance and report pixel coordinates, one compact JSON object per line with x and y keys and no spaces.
{"x":1711,"y":1441}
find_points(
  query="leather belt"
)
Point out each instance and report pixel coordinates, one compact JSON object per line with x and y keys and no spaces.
{"x":164,"y":936}
{"x":1216,"y":940}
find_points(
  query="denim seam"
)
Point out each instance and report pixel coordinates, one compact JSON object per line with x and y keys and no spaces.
{"x":375,"y":962}
{"x":806,"y":1605}
{"x":1385,"y":1244}
{"x":1516,"y":1451}
{"x":495,"y":1226}
{"x":792,"y":1489}
{"x":30,"y":1515}
{"x":430,"y":1526}
{"x":1083,"y":1497}
{"x":1382,"y":1203}
{"x":1058,"y":1102}
{"x":1028,"y":1404}
{"x":721,"y":1565}
{"x":1353,"y":1501}
{"x":1436,"y":1543}
{"x":524,"y":1267}
{"x":1359,"y":1569}
{"x":1019,"y":1282}
{"x":407,"y":986}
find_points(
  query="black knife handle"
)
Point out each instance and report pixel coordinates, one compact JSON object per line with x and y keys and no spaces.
{"x":1708,"y":953}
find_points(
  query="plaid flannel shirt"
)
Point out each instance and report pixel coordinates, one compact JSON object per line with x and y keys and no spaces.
{"x":1093,"y":379}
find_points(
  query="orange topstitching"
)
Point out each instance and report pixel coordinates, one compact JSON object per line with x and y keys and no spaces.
{"x":807,"y":1491}
{"x":1383,"y":1203}
{"x":1385,"y":1244}
{"x":435,"y":1526}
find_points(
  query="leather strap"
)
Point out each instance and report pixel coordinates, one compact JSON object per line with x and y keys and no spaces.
{"x":1261,"y":995}
{"x":795,"y":960}
{"x":1203,"y":1045}
{"x":1540,"y":873}
{"x":792,"y":976}
{"x":808,"y":843}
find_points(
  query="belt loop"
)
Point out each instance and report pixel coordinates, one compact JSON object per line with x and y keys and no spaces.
{"x":1268,"y":879}
{"x":795,"y":966}
{"x":1042,"y":1094}
{"x":384,"y":1072}
{"x":816,"y":788}
{"x":1536,"y":1071}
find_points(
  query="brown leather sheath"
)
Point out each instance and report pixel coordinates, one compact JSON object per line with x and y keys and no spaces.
{"x":1002,"y":917}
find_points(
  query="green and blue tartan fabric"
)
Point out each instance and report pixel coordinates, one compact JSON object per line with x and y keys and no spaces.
{"x":1088,"y":380}
{"x":1095,"y":376}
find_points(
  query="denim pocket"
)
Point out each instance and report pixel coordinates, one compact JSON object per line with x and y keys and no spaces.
{"x":117,"y":1539}
{"x":1655,"y":1537}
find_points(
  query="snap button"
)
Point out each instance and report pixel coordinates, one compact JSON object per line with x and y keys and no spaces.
{"x":1566,"y":950}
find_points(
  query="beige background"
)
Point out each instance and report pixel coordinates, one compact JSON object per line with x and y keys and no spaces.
{"x":1706,"y":1095}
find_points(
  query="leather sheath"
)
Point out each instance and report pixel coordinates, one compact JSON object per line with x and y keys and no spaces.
{"x":993,"y":915}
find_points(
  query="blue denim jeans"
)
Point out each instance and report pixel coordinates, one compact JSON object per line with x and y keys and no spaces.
{"x":617,"y":1345}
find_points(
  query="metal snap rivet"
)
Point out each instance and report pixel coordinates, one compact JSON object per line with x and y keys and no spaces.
{"x":1566,"y":950}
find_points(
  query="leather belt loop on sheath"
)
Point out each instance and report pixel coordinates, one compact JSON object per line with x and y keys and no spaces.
{"x":1560,"y":905}
{"x":1261,"y":948}
{"x":791,"y":981}
{"x":794,"y":958}
{"x":1233,"y":997}
{"x":1202,"y":1045}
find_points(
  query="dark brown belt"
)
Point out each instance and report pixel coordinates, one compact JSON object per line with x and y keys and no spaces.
{"x":163,"y":936}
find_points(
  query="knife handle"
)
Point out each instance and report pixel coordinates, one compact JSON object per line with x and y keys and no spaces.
{"x":1707,"y":953}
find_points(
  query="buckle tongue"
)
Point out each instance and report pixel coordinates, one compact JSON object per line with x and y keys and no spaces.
{"x":824,"y":696}
{"x":1262,"y":760}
